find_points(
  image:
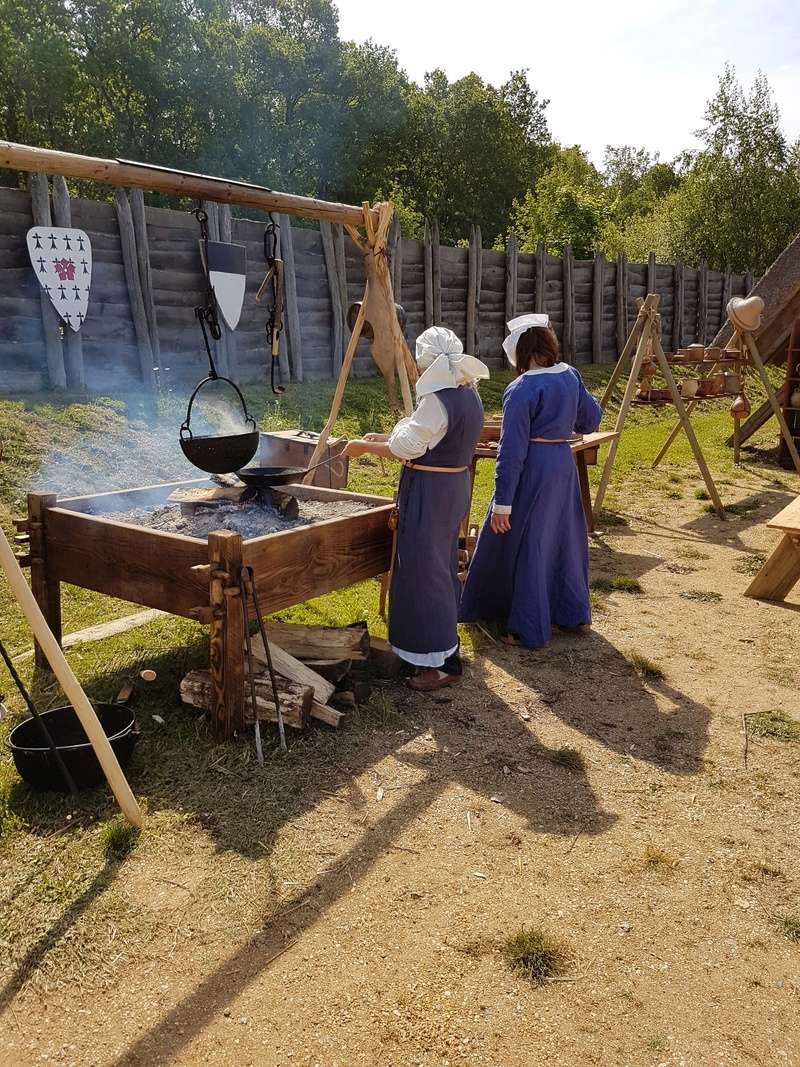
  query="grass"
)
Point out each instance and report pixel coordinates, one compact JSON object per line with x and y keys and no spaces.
{"x":789,"y":925}
{"x":622,"y":583}
{"x":118,"y":838}
{"x":703,"y":596}
{"x":646,"y":668}
{"x":658,"y":859}
{"x":751,"y":564}
{"x":571,"y":758}
{"x":701,"y":494}
{"x":536,"y":955}
{"x":774,"y":724}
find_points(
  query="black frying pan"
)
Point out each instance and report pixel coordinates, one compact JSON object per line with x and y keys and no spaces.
{"x":267,"y":477}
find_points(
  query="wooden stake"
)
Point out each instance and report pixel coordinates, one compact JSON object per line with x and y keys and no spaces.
{"x":749,"y":341}
{"x":436,"y":270}
{"x":62,"y":216}
{"x":427,"y":263}
{"x":51,"y":324}
{"x":622,"y":301}
{"x":597,"y":307}
{"x":135,"y":298}
{"x":290,"y":288}
{"x":337,"y":312}
{"x":568,"y":288}
{"x":512,"y":273}
{"x":539,"y":297}
{"x":677,"y":306}
{"x":472,"y":339}
{"x":145,"y":273}
{"x":46,"y":590}
{"x":227,"y":634}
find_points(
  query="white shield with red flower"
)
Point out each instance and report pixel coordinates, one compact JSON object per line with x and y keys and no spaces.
{"x":62,"y":261}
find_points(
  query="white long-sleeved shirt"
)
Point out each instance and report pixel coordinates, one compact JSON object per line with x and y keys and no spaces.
{"x":424,"y":429}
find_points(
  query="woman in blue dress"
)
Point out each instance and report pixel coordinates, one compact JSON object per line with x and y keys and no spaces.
{"x":530,"y":569}
{"x":436,"y":445}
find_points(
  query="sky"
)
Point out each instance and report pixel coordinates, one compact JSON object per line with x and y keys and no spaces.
{"x":616,"y":73}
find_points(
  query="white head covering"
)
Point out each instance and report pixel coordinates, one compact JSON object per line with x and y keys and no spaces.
{"x":441,"y":358}
{"x":518,"y":326}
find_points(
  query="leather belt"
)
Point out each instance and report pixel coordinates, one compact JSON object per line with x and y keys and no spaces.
{"x":552,"y":440}
{"x":436,"y":470}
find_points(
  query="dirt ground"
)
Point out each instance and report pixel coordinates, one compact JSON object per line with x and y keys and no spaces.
{"x":365,"y":926}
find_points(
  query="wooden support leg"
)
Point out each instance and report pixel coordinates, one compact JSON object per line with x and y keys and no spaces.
{"x":736,"y":438}
{"x":772,"y":398}
{"x":676,"y":429}
{"x":586,"y":495}
{"x":688,"y":429}
{"x":619,"y":370}
{"x":780,"y":572}
{"x":46,"y":589}
{"x":630,"y":389}
{"x":227,"y":634}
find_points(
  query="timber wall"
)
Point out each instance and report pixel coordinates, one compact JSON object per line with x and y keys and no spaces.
{"x":140,"y":327}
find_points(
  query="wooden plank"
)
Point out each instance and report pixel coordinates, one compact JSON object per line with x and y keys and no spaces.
{"x":397,"y":267}
{"x":651,"y":273}
{"x":111,"y":629}
{"x":568,"y":290}
{"x":436,"y":272}
{"x":622,"y":301}
{"x":143,"y":258}
{"x":62,"y":216}
{"x":292,"y":311}
{"x":293,"y":669}
{"x":226,"y":235}
{"x":427,"y":259}
{"x":341,"y":268}
{"x":295,"y":565}
{"x":597,"y":306}
{"x":702,"y":304}
{"x":22,"y":157}
{"x":51,"y":324}
{"x":320,"y":642}
{"x":779,"y":574}
{"x":226,"y":644}
{"x":788,"y":519}
{"x":541,"y":259}
{"x":473,"y":291}
{"x":143,"y":566}
{"x":128,"y":243}
{"x":677,"y":306}
{"x":337,"y":311}
{"x":512,"y":275}
{"x":44,"y":578}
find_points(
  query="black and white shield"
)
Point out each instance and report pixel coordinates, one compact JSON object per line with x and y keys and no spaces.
{"x":61,"y":257}
{"x":227,"y":272}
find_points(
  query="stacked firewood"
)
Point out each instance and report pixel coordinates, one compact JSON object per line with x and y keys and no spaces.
{"x":322,"y":672}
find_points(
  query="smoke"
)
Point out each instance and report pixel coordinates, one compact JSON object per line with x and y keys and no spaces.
{"x":131,"y":440}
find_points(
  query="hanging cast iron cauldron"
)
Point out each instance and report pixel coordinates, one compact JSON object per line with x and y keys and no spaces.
{"x":216,"y":453}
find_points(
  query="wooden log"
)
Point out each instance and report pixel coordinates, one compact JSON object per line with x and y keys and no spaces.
{"x":334,"y":670}
{"x":326,"y":714}
{"x":128,"y":243}
{"x":383,"y":660}
{"x":541,"y":262}
{"x":145,"y":273}
{"x":51,"y":324}
{"x":471,"y":341}
{"x":427,"y":260}
{"x":320,"y":642}
{"x":226,"y":234}
{"x":341,"y":270}
{"x":702,"y":304}
{"x":197,"y":690}
{"x":651,"y":273}
{"x":622,"y":301}
{"x":597,"y":306}
{"x":677,"y":306}
{"x":512,"y":276}
{"x":292,"y":311}
{"x":749,"y":281}
{"x":568,"y":285}
{"x":45,"y":586}
{"x":337,"y":311}
{"x":163,"y":179}
{"x":62,"y":216}
{"x":726,"y":295}
{"x":219,"y":346}
{"x":288,"y":666}
{"x":227,"y":634}
{"x":436,"y":269}
{"x":397,"y":267}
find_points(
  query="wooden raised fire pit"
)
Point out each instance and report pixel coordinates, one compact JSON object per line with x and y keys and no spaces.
{"x":71,"y":541}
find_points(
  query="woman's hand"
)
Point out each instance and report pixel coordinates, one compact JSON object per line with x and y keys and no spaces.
{"x":500,"y":524}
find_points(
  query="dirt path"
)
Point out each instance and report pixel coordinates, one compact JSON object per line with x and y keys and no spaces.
{"x":366,"y":929}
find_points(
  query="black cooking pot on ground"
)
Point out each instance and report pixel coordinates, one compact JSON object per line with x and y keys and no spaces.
{"x":36,"y":763}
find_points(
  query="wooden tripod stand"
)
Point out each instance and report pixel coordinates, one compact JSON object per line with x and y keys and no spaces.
{"x":646,"y":336}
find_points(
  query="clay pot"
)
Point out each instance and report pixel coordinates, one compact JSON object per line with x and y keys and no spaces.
{"x":740,"y":408}
{"x":733,"y":382}
{"x":713,"y":354}
{"x":696,"y":352}
{"x":689,"y":387}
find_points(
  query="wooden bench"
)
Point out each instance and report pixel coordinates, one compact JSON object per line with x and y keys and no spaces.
{"x":781,"y":571}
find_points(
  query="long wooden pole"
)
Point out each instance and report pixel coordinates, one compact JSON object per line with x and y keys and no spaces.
{"x":755,"y":355}
{"x":166,"y":180}
{"x":70,"y":684}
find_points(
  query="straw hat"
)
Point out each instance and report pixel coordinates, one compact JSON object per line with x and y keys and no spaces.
{"x":745,"y":312}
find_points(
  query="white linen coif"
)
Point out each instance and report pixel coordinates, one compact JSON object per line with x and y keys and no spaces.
{"x":518,"y":327}
{"x":445,"y":365}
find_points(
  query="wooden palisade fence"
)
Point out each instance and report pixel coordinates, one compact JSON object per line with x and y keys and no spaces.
{"x":140,"y":329}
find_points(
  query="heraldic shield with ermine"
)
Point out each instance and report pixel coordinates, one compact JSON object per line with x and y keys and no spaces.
{"x":62,"y":259}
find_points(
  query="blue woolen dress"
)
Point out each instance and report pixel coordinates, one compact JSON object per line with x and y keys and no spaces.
{"x":537,"y":574}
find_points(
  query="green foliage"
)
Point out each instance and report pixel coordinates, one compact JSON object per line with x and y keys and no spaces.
{"x":774,"y":724}
{"x":535,"y":954}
